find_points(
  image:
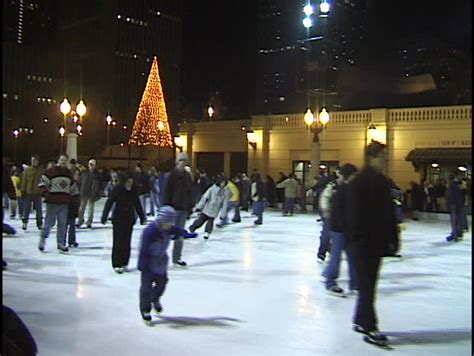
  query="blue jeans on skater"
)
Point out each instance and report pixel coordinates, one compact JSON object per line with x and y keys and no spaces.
{"x":324,"y":239}
{"x":155,"y":201}
{"x":36,"y":200}
{"x":71,"y":231}
{"x":289,"y":205}
{"x":53,"y":212}
{"x":229,"y":206}
{"x":331,"y":272}
{"x":455,"y":214}
{"x":178,"y":243}
{"x":258,"y":207}
{"x":152,"y":288}
{"x":142,"y":198}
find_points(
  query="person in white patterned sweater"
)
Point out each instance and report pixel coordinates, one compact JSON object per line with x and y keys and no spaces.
{"x":55,"y":185}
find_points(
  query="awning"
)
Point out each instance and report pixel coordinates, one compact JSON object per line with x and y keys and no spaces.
{"x":454,"y":155}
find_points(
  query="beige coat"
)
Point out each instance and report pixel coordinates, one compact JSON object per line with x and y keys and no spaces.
{"x":291,"y":187}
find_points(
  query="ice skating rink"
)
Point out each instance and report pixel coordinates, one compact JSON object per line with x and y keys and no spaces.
{"x":247,"y":291}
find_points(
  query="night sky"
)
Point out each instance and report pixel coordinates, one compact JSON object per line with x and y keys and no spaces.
{"x":220,"y":43}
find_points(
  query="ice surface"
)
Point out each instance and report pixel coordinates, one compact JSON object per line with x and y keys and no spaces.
{"x":247,"y":291}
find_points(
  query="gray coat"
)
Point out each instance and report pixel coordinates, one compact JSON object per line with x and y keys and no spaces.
{"x":212,"y":201}
{"x":90,"y":185}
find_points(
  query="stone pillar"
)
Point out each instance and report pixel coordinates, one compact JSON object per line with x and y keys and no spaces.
{"x":71,"y":149}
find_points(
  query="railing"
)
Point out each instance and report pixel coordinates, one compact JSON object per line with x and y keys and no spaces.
{"x":431,"y":113}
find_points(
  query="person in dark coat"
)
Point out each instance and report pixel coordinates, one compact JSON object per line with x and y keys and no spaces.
{"x":418,"y":199}
{"x":271,"y":191}
{"x":73,"y":207}
{"x":455,"y":203}
{"x":141,"y":182}
{"x":337,"y":233}
{"x":127,"y":204}
{"x":280,"y":192}
{"x":153,"y":259}
{"x":258,"y":197}
{"x":178,"y":194}
{"x":91,"y":191}
{"x":245,"y":198}
{"x":371,"y":233}
{"x":17,"y":338}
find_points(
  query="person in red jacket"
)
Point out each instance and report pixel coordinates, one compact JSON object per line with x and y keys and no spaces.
{"x":56,"y":184}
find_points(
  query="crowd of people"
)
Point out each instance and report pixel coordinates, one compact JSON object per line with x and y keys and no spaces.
{"x":361,"y":211}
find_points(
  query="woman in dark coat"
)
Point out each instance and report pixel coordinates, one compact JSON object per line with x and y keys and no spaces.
{"x":271,"y":191}
{"x":126,"y":203}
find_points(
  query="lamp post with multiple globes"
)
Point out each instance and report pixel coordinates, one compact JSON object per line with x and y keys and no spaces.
{"x":72,"y":126}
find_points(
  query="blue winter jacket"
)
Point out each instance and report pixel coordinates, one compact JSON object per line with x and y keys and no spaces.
{"x":152,"y":257}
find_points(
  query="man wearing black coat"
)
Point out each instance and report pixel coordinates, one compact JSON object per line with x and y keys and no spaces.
{"x":371,"y":233}
{"x":178,"y":194}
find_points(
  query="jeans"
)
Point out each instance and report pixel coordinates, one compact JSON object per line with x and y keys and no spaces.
{"x":367,"y":268}
{"x":6,"y":201}
{"x":464,"y":224}
{"x":152,"y":287}
{"x":178,"y":243}
{"x":324,"y":239}
{"x":53,"y":212}
{"x":17,"y":205}
{"x":142,"y":198}
{"x":200,"y":221}
{"x":231,"y":205}
{"x":289,"y":205}
{"x":331,"y":272}
{"x":258,"y":207}
{"x":71,"y":228}
{"x":36,"y":200}
{"x":456,"y":216}
{"x":84,"y":202}
{"x":155,"y":201}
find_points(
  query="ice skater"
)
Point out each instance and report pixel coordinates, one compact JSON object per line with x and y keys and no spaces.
{"x":153,"y":259}
{"x":337,"y":226}
{"x":210,"y":204}
{"x":371,"y":233}
{"x":126,"y":203}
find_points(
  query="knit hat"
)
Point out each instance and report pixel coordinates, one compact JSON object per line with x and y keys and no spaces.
{"x":166,"y":215}
{"x":182,"y":157}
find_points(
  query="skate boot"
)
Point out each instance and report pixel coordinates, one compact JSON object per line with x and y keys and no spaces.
{"x":376,"y":338}
{"x":24,"y":226}
{"x":336,"y":290}
{"x":42,"y":244}
{"x":146,"y":316}
{"x":180,"y":263}
{"x":118,"y":270}
{"x":63,"y":249}
{"x":206,"y":236}
{"x":157,"y":307}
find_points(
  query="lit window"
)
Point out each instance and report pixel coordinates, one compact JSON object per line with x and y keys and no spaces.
{"x":34,"y":77}
{"x":128,"y":19}
{"x":39,"y":99}
{"x":15,"y":97}
{"x":5,"y":95}
{"x":281,"y":98}
{"x":158,"y":13}
{"x":28,"y":77}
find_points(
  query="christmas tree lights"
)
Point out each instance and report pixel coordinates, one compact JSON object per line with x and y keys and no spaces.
{"x":151,"y":125}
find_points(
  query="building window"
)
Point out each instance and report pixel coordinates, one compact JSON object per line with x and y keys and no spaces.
{"x":5,"y":95}
{"x":281,"y":98}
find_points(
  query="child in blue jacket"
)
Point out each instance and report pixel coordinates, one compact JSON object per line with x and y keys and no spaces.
{"x":153,"y":259}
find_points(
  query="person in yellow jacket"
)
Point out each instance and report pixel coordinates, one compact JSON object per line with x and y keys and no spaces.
{"x":231,"y":202}
{"x":31,"y":193}
{"x":16,"y":180}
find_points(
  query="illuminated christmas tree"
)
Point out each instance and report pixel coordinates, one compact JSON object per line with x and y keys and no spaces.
{"x":151,"y":125}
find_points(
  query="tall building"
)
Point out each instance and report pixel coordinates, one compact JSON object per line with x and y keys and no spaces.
{"x":30,"y":77}
{"x":296,"y":65}
{"x":96,"y":50}
{"x":108,"y":48}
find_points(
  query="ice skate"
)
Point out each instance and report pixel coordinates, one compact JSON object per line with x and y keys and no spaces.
{"x":118,"y":270}
{"x":146,"y":316}
{"x":206,"y":236}
{"x":41,"y":244}
{"x":63,"y":249}
{"x":376,"y":338}
{"x":180,"y":263}
{"x":157,"y":307}
{"x":336,"y":291}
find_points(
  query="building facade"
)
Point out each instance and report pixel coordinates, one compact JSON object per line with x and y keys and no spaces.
{"x":415,"y":137}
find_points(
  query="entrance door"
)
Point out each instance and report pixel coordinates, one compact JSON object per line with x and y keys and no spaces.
{"x":211,"y":162}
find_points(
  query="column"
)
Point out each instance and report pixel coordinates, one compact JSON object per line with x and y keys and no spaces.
{"x":71,"y":148}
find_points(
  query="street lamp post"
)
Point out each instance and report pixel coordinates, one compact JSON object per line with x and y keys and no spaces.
{"x":210,"y":112}
{"x":65,"y":109}
{"x":15,"y":134}
{"x":62,"y":131}
{"x":109,"y":121}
